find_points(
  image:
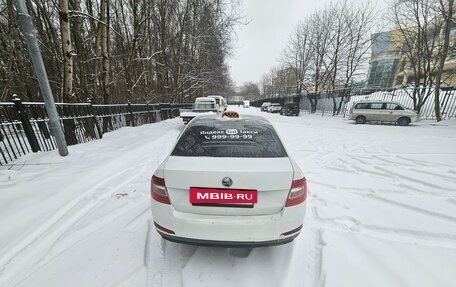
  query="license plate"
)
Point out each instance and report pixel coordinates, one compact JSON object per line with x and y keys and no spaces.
{"x":217,"y":196}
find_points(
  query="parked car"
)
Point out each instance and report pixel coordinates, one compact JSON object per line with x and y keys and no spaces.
{"x":201,"y":105}
{"x":229,"y":181}
{"x":264,"y":106}
{"x":382,"y":111}
{"x":220,"y":103}
{"x":274,"y":108}
{"x":290,"y":109}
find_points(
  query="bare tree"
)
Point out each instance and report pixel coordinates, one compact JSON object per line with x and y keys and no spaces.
{"x":141,"y":51}
{"x":67,"y":52}
{"x":320,"y":40}
{"x":104,"y":44}
{"x":297,"y":54}
{"x":337,"y":29}
{"x":446,"y":9}
{"x":360,"y":21}
{"x":419,"y":27}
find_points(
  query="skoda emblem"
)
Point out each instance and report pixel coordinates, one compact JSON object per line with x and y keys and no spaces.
{"x":226,"y":181}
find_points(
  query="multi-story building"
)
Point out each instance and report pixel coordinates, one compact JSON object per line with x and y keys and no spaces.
{"x":389,"y":66}
{"x":284,"y":82}
{"x":386,"y":61}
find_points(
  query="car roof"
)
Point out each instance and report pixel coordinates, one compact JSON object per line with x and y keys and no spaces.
{"x":202,"y":99}
{"x":370,"y":102}
{"x":216,"y":119}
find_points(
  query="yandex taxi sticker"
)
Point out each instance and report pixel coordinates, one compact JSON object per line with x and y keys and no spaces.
{"x":222,"y":196}
{"x":229,"y":134}
{"x":231,"y":131}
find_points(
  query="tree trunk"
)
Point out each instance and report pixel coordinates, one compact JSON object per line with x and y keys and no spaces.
{"x":442,"y":56}
{"x":104,"y":50}
{"x":80,"y":55}
{"x":67,"y":87}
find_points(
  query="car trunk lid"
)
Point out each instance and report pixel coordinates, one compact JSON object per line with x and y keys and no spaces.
{"x":269,"y":179}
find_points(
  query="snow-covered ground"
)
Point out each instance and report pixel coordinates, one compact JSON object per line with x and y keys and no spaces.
{"x":382,"y":212}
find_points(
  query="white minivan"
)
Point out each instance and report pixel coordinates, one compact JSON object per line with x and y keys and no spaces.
{"x":382,"y":111}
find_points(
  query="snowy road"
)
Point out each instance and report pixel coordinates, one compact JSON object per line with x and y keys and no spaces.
{"x":382,"y":212}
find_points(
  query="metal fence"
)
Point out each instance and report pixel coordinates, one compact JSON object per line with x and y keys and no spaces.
{"x":24,"y":127}
{"x":325,"y":104}
{"x":403,"y":96}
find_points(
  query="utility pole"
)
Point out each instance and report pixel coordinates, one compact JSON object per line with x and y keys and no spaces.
{"x":35,"y":54}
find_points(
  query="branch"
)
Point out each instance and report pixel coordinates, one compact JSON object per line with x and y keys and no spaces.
{"x":80,"y":13}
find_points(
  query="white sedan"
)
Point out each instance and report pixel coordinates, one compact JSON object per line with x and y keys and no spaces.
{"x":274,"y":108}
{"x":229,"y":181}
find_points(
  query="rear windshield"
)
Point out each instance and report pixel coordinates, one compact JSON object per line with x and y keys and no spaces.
{"x":238,"y":139}
{"x":204,"y":105}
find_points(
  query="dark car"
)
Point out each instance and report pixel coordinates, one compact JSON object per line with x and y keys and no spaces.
{"x":290,"y":109}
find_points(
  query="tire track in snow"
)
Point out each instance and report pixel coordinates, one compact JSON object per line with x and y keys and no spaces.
{"x":447,"y":178}
{"x":405,"y":161}
{"x":411,"y":179}
{"x":27,"y":253}
{"x":423,"y":162}
{"x":319,"y":275}
{"x":368,"y":193}
{"x":348,"y":224}
{"x":449,"y":218}
{"x":166,"y":261}
{"x":66,"y":243}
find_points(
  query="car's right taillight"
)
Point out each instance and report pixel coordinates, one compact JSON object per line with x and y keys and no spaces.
{"x":158,"y":190}
{"x":298,"y":192}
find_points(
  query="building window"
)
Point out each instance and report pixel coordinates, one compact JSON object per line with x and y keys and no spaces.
{"x":381,"y":73}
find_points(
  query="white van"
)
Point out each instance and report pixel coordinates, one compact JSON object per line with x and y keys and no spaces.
{"x":205,"y":104}
{"x":220,"y":103}
{"x":382,"y":111}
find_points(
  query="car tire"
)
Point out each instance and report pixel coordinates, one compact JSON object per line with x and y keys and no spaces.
{"x":360,"y":120}
{"x":404,"y":121}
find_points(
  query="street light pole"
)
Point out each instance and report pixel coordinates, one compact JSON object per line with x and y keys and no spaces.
{"x":35,"y":54}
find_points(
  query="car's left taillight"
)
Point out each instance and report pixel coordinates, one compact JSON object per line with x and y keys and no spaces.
{"x":158,"y":190}
{"x":298,"y":192}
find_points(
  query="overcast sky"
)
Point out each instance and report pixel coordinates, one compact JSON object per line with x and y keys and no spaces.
{"x":262,"y":39}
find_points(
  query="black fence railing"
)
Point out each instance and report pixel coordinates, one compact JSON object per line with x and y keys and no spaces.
{"x":24,"y":127}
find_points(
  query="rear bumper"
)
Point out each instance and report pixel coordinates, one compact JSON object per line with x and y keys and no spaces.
{"x":232,"y":244}
{"x":229,"y":230}
{"x":289,"y":112}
